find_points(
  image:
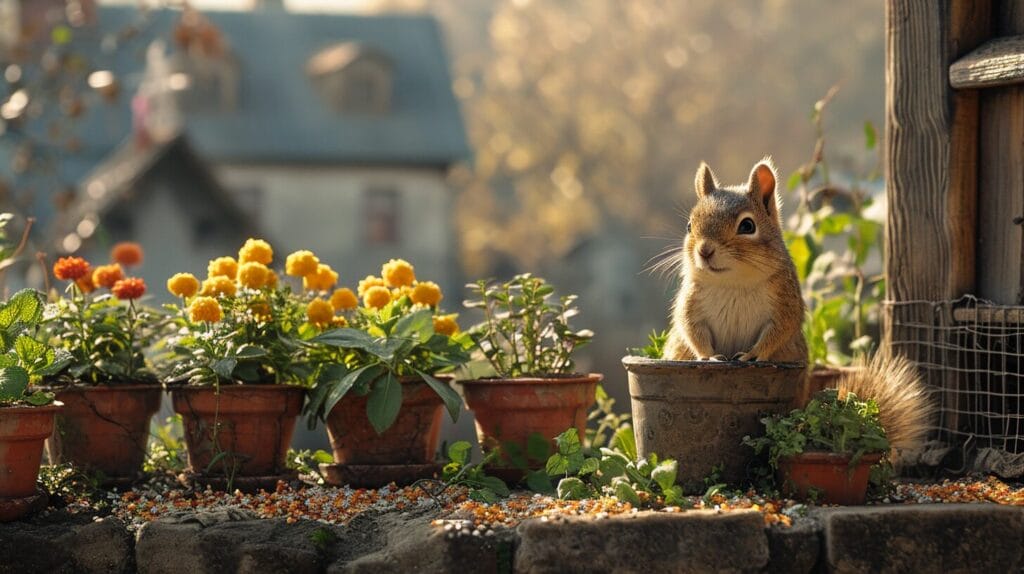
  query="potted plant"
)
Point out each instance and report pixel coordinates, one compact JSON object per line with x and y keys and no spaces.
{"x":379,"y":383}
{"x":26,"y":413}
{"x":109,"y":391}
{"x":237,"y":373}
{"x":825,"y":450}
{"x":534,"y":387}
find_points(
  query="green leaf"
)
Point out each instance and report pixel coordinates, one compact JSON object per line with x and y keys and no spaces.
{"x":25,"y":307}
{"x":538,"y":481}
{"x":39,"y":398}
{"x":625,"y":492}
{"x":572,"y":488}
{"x":340,"y":387}
{"x":538,"y":447}
{"x":384,"y":403}
{"x":568,"y":442}
{"x":418,"y":325}
{"x":625,"y":442}
{"x":13,"y":382}
{"x":348,"y":338}
{"x":870,"y":135}
{"x":557,"y":464}
{"x":665,"y":474}
{"x":458,"y":452}
{"x":484,"y":495}
{"x":794,"y":179}
{"x":452,"y":400}
{"x":494,"y":484}
{"x":250,"y":352}
{"x":225,"y":367}
{"x":29,"y":350}
{"x":590,"y":465}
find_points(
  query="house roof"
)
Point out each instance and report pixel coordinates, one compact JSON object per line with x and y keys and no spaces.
{"x":279,"y":117}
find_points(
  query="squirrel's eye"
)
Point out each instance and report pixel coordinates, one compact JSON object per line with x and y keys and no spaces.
{"x":746,"y":227}
{"x":687,"y":226}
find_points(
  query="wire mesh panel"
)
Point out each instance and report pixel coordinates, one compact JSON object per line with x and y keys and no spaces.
{"x":971,"y":354}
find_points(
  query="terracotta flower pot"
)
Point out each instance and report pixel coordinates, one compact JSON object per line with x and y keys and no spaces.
{"x":249,"y":427}
{"x":412,"y":439}
{"x":104,"y":428}
{"x":511,"y":410}
{"x":828,"y":476}
{"x":22,"y":433}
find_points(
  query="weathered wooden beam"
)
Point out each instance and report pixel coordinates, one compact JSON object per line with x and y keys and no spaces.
{"x":999,"y":62}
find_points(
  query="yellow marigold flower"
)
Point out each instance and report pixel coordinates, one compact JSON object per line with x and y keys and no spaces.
{"x":107,"y":275}
{"x":253,"y":275}
{"x":216,"y":286}
{"x":183,"y":285}
{"x":205,"y":309}
{"x":222,"y":267}
{"x":370,"y":281}
{"x":446,"y":325}
{"x":398,"y":273}
{"x":319,"y":312}
{"x":426,"y":293}
{"x":339,"y":321}
{"x":376,"y":297}
{"x":344,"y":299}
{"x":301,"y":263}
{"x":322,"y":280}
{"x":261,"y":311}
{"x":397,"y":293}
{"x":256,"y":250}
{"x":271,"y":278}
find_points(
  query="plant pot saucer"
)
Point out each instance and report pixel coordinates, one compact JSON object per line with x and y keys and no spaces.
{"x":247,"y":484}
{"x":377,"y":475}
{"x":17,"y":507}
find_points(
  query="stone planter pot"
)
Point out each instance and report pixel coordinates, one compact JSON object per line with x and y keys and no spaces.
{"x":23,"y":430}
{"x":247,"y":427}
{"x":826,"y":478}
{"x":104,"y":428}
{"x":403,"y":453}
{"x":511,"y":410}
{"x":698,"y":412}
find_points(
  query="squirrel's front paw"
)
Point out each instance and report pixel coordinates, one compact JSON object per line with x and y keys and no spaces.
{"x":718,"y":358}
{"x":748,"y":356}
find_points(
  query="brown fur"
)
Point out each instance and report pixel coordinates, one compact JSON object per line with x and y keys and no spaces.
{"x":743,"y":301}
{"x":903,"y":403}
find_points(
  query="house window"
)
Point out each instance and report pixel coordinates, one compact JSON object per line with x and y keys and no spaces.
{"x":352,"y":78}
{"x":380,"y":216}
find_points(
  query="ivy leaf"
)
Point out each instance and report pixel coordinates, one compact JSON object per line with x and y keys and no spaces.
{"x":458,"y":452}
{"x":625,"y":492}
{"x":557,"y":464}
{"x":572,"y":488}
{"x":568,"y":442}
{"x":495,"y":485}
{"x":590,"y":465}
{"x":26,"y":306}
{"x":384,"y":403}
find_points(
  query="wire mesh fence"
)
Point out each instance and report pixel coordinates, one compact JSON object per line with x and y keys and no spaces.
{"x":971,"y":354}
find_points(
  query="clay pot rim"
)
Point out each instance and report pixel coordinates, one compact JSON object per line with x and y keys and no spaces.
{"x":837,"y":458}
{"x":32,"y":409}
{"x":644,"y":365}
{"x":575,"y":378}
{"x":235,"y":388}
{"x":103,"y":387}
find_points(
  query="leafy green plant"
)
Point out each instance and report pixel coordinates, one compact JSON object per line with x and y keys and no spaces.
{"x":830,"y":238}
{"x":847,"y":425}
{"x":523,"y":334}
{"x":607,"y":420}
{"x":615,"y":471}
{"x":166,"y":452}
{"x":460,"y":470}
{"x":655,"y":348}
{"x":307,"y":462}
{"x":24,"y":358}
{"x":370,"y":358}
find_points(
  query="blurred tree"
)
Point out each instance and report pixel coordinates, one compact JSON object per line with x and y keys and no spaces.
{"x":581,"y":111}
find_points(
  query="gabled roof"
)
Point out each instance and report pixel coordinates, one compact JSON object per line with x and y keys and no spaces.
{"x":280,"y":118}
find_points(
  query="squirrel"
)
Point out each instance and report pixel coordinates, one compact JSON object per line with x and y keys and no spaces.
{"x":740,"y":296}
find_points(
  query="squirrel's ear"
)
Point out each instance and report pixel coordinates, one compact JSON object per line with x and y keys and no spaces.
{"x":762,"y":186}
{"x":705,"y":182}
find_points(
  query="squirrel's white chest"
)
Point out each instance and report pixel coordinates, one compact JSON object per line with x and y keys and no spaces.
{"x":735,"y":317}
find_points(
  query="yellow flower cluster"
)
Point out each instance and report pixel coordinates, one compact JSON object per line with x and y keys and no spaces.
{"x":257,"y":251}
{"x":183,"y":285}
{"x":205,"y":310}
{"x":446,"y":325}
{"x":319,"y":312}
{"x":398,"y":273}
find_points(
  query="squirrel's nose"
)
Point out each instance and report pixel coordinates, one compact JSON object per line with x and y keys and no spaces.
{"x":706,"y":251}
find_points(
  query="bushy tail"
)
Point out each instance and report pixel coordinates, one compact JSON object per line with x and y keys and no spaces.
{"x":903,"y":403}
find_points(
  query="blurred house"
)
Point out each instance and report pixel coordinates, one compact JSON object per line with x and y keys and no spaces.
{"x":317,"y":131}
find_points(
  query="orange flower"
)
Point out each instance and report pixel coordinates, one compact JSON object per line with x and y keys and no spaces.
{"x":370,"y":281}
{"x":398,"y":273}
{"x":256,"y":250}
{"x":319,"y":312}
{"x":301,"y":263}
{"x":205,"y":309}
{"x":127,"y":253}
{"x":426,"y":293}
{"x":219,"y":285}
{"x":222,"y":267}
{"x":322,"y":280}
{"x":344,"y":299}
{"x":377,"y":297}
{"x":446,"y":325}
{"x":86,"y":284}
{"x":183,"y":285}
{"x":70,"y":268}
{"x":107,"y":275}
{"x":130,"y":288}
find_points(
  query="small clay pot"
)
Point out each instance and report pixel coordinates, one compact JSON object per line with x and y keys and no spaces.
{"x":23,"y":430}
{"x":511,"y":410}
{"x":247,"y":427}
{"x":104,"y":428}
{"x":828,"y":475}
{"x":411,"y":440}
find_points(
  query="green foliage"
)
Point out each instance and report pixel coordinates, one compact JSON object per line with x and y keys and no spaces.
{"x":655,"y":347}
{"x":460,"y":470}
{"x":608,"y":421}
{"x":65,"y":482}
{"x":615,"y":471}
{"x":307,"y":462}
{"x":166,"y":452}
{"x":245,"y":347}
{"x":105,"y":338}
{"x":371,"y":357}
{"x":24,"y":358}
{"x":830,"y":239}
{"x":523,"y":334}
{"x":827,"y":424}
